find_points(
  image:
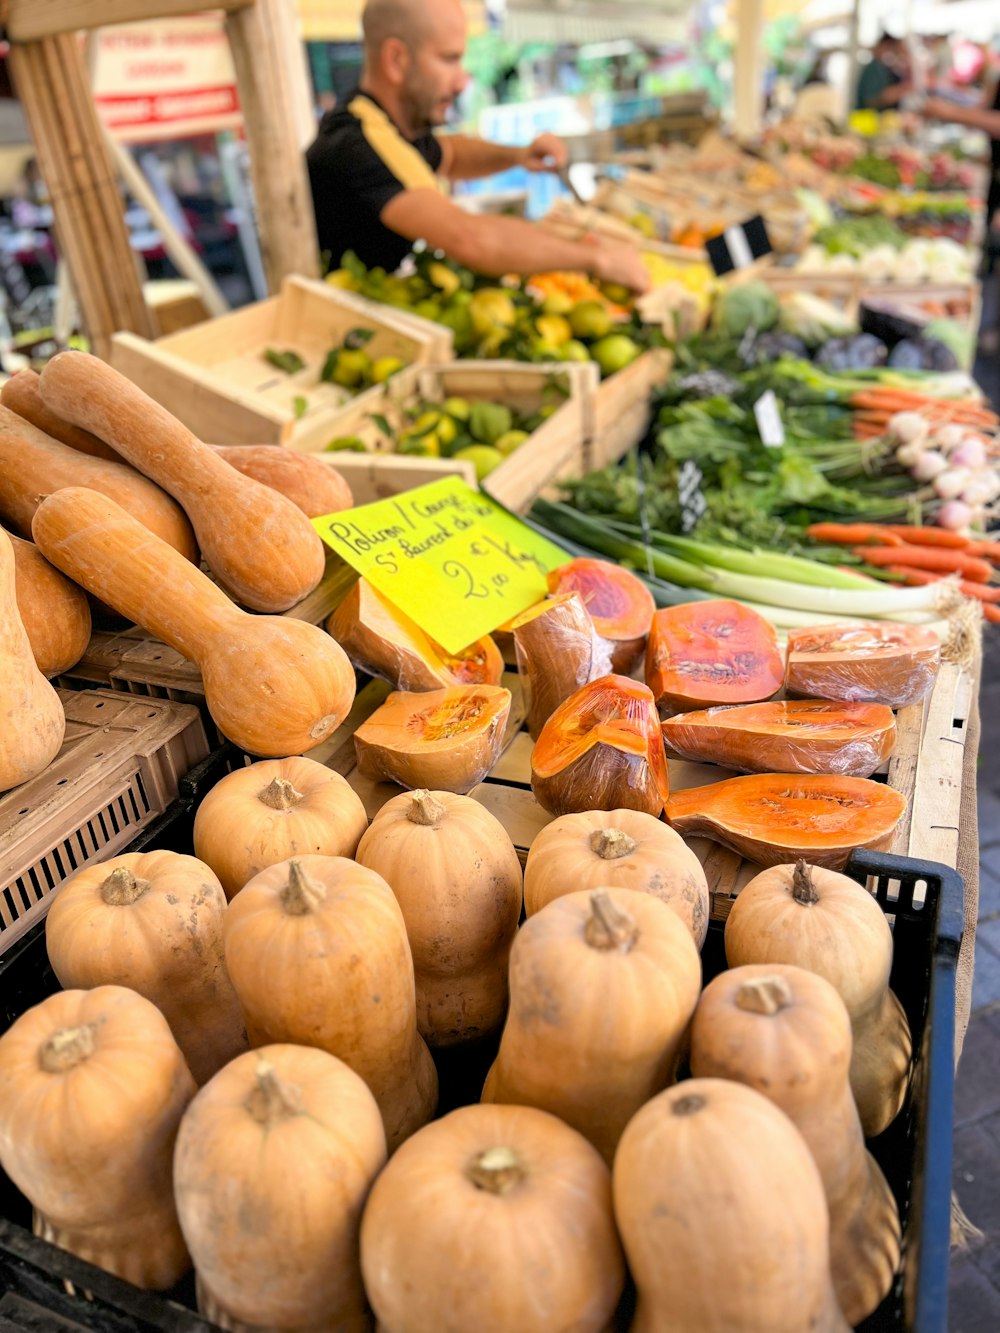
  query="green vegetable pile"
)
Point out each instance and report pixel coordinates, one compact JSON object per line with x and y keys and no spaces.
{"x":856,"y":236}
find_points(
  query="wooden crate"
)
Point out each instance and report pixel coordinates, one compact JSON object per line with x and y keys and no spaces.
{"x":554,"y":450}
{"x":573,"y":221}
{"x":623,"y":411}
{"x":926,"y":768}
{"x":215,"y":379}
{"x":118,"y":768}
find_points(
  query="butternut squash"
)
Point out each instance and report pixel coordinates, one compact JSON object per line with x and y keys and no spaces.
{"x":32,"y":465}
{"x":602,"y":988}
{"x":258,"y":544}
{"x":55,"y":612}
{"x":317,"y":951}
{"x":895,"y":665}
{"x":786,"y":1033}
{"x":620,"y":605}
{"x":457,"y":880}
{"x":825,"y":922}
{"x":310,"y":485}
{"x":723,"y":1216}
{"x":22,"y":394}
{"x":274,"y":685}
{"x":714,"y":652}
{"x":32,"y":721}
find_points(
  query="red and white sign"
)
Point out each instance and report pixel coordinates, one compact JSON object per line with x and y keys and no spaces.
{"x":166,"y":79}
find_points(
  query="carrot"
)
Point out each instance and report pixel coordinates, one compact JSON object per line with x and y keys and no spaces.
{"x":991,"y":612}
{"x":933,"y":558}
{"x":987,"y":550}
{"x":914,"y":578}
{"x":981,"y":591}
{"x":930,"y":537}
{"x":848,"y":534}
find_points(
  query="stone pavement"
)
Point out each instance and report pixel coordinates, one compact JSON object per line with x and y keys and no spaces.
{"x":974,"y":1287}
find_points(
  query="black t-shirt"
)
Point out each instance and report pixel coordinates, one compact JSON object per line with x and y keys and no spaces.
{"x":357,"y":163}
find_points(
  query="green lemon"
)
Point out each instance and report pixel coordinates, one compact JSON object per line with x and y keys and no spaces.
{"x":557,"y":303}
{"x":442,"y":425}
{"x":590,"y":319}
{"x":574,"y":350}
{"x":421,"y":446}
{"x":492,"y":310}
{"x":385,"y":367}
{"x":443,"y":278}
{"x":349,"y":444}
{"x":352,"y":368}
{"x":511,"y":440}
{"x":616,"y":293}
{"x":482,"y":457}
{"x":554,"y":329}
{"x":614,"y":353}
{"x":428,"y":309}
{"x":341,"y":277}
{"x":457,"y":408}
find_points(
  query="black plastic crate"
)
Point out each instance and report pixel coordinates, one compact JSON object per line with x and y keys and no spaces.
{"x":44,"y":1288}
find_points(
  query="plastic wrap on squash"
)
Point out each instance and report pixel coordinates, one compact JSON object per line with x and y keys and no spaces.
{"x":787,"y":736}
{"x":878,"y":663}
{"x":443,"y":740}
{"x":557,"y":650}
{"x":382,"y":640}
{"x":717,"y":652}
{"x":776,"y":818}
{"x":602,"y":749}
{"x":619,"y":604}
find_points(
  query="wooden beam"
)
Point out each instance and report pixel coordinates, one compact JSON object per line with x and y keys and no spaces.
{"x":278,"y":123}
{"x":28,"y":20}
{"x":87,"y":207}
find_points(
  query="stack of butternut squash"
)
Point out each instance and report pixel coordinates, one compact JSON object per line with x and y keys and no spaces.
{"x":272,"y":1006}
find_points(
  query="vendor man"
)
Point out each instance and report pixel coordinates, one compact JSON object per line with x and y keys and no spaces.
{"x":376,"y":162}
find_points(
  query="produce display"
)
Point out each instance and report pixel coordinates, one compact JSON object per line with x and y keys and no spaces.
{"x":503,"y":1007}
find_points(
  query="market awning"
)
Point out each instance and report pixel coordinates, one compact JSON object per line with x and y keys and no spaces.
{"x":340,"y":20}
{"x":653,"y":22}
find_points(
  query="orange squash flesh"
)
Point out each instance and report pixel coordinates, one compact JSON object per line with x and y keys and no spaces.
{"x":383,"y":641}
{"x":775,"y":818}
{"x":790,"y":736}
{"x":888,"y":664}
{"x":717,"y":652}
{"x":443,"y":740}
{"x":602,"y":750}
{"x":620,"y":605}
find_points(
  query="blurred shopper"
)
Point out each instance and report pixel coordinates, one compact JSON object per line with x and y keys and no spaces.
{"x":376,"y":163}
{"x":884,"y":81}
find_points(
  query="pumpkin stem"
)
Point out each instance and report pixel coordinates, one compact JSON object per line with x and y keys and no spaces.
{"x":424,"y":809}
{"x":301,"y":894}
{"x":803,"y":889}
{"x":609,"y":926}
{"x":688,"y":1105}
{"x":611,"y":844}
{"x":121,"y":888}
{"x":271,"y":1099}
{"x":764,"y":995}
{"x":66,"y":1049}
{"x":279,"y":794}
{"x":497,"y":1170}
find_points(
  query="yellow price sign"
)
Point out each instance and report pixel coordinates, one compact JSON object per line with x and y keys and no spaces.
{"x":447,"y":555}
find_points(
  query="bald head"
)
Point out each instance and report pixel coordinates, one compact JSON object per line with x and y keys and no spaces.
{"x":413,"y":58}
{"x":411,"y":22}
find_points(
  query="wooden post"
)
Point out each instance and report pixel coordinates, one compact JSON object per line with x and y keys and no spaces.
{"x":87,"y":207}
{"x":278,"y":122}
{"x":748,"y":82}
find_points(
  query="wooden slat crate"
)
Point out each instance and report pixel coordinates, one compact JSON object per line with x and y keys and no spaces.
{"x":554,"y":450}
{"x":118,"y":768}
{"x":622,"y":408}
{"x":214,"y":377}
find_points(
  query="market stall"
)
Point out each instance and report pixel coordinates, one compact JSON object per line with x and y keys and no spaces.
{"x":489,"y":814}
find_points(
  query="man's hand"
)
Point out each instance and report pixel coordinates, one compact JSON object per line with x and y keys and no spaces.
{"x":546,"y":153}
{"x":620,"y":264}
{"x":937,"y":108}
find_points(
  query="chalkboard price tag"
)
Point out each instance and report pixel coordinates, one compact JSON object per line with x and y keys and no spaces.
{"x":739,"y":246}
